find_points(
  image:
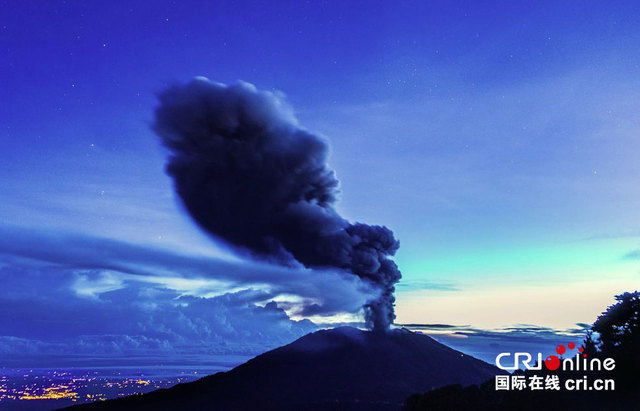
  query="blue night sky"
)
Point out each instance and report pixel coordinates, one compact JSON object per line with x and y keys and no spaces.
{"x":499,"y":142}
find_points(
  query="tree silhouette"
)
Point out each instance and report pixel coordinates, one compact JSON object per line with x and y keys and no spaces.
{"x":590,"y":345}
{"x":618,"y":337}
{"x":618,"y":328}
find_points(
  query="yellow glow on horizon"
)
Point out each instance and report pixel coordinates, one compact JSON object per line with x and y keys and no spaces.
{"x":559,"y":305}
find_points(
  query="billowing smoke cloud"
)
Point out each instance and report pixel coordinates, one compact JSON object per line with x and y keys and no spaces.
{"x":250,"y":175}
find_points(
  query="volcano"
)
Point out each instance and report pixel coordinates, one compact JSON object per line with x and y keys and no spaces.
{"x":336,"y":369}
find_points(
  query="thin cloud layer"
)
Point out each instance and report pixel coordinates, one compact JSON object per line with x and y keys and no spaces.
{"x":486,"y":344}
{"x":137,"y":319}
{"x":327,"y":293}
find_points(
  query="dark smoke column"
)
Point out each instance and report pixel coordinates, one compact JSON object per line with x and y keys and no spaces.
{"x":251,"y":176}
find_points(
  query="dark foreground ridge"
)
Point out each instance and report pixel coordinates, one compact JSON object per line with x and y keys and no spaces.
{"x":338,"y":369}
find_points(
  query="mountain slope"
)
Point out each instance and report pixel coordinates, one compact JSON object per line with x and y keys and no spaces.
{"x":342,"y":368}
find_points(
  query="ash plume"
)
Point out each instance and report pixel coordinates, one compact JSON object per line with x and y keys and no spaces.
{"x":251,"y":176}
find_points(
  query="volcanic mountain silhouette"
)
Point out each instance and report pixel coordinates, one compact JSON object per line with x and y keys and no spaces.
{"x":337,"y":369}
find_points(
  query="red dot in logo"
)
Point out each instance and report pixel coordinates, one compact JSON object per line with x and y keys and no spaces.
{"x":572,"y":346}
{"x":580,"y":349}
{"x":560,"y":349}
{"x":584,"y":355}
{"x":552,"y":362}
